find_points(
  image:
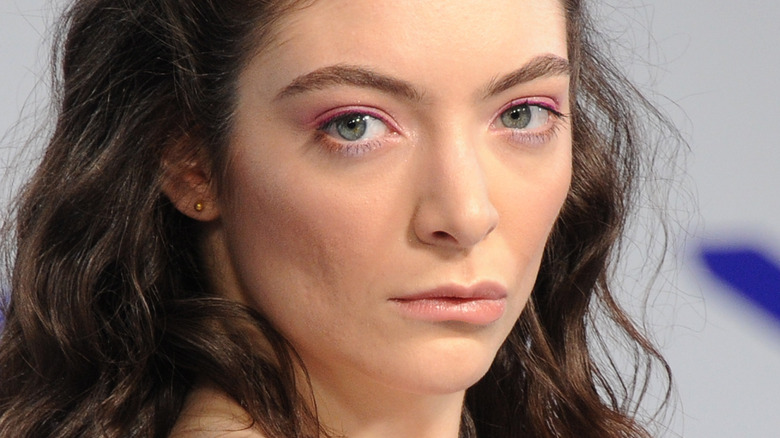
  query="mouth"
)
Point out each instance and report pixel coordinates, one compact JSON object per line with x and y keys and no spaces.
{"x":480,"y":304}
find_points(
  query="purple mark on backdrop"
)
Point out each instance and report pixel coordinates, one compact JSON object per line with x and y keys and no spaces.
{"x":749,"y":271}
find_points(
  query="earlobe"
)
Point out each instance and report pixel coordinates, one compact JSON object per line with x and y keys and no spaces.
{"x":187,"y":183}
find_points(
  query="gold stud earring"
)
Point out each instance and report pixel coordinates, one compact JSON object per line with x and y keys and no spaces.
{"x":199,"y":206}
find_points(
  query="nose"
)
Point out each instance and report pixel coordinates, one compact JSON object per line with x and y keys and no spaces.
{"x":454,"y":208}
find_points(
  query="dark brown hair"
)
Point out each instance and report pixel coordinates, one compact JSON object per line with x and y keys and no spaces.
{"x":109,"y":325}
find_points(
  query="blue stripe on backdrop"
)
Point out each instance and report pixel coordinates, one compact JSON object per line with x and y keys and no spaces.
{"x":749,"y":271}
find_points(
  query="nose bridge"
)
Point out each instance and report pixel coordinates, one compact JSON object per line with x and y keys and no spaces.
{"x":455,"y":207}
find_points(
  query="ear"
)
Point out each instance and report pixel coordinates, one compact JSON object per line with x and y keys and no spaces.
{"x":187,"y":182}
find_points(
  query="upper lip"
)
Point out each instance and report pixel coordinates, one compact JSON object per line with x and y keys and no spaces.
{"x":485,"y":290}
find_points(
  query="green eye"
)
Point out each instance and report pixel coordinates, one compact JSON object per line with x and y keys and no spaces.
{"x":351,"y":127}
{"x":355,"y":127}
{"x":517,"y":117}
{"x":525,"y":116}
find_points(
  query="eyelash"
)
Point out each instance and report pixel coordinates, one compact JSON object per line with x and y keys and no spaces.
{"x":533,"y":136}
{"x":346,"y":147}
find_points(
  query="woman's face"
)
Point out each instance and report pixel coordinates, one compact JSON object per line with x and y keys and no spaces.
{"x":394,"y":171}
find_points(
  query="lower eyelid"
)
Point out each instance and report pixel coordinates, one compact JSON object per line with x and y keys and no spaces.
{"x":351,"y":149}
{"x":531,"y":138}
{"x":534,"y":136}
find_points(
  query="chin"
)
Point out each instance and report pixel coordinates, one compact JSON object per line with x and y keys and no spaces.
{"x":450,"y":367}
{"x":450,"y":381}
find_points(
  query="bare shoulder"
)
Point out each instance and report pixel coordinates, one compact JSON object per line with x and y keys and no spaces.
{"x":209,"y":413}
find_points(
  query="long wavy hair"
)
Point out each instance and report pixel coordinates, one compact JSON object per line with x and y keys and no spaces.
{"x":108,"y":325}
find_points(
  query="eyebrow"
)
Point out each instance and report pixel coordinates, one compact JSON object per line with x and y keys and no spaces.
{"x":341,"y":74}
{"x":539,"y":67}
{"x":349,"y":75}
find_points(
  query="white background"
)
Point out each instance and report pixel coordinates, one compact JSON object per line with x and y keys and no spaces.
{"x":720,"y":63}
{"x":716,"y":70}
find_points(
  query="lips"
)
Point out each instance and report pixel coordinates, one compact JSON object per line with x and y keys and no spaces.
{"x":480,"y":304}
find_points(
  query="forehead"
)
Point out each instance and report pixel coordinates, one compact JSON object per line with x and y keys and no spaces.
{"x":423,"y":41}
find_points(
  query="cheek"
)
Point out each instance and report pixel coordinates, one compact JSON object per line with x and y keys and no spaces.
{"x":529,"y":209}
{"x":273,"y":229}
{"x":296,"y":241}
{"x":531,"y":196}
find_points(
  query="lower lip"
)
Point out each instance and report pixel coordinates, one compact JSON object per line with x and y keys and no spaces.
{"x":471,"y":311}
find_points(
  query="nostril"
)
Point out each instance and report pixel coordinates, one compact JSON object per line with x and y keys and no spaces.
{"x":441,"y":235}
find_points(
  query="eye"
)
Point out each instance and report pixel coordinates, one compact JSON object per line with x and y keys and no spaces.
{"x":526,"y":116}
{"x":355,"y":127}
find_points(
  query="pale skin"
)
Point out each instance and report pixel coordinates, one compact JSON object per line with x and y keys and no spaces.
{"x":433,"y":185}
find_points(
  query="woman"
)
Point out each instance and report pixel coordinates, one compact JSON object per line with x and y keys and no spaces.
{"x":323,"y":218}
